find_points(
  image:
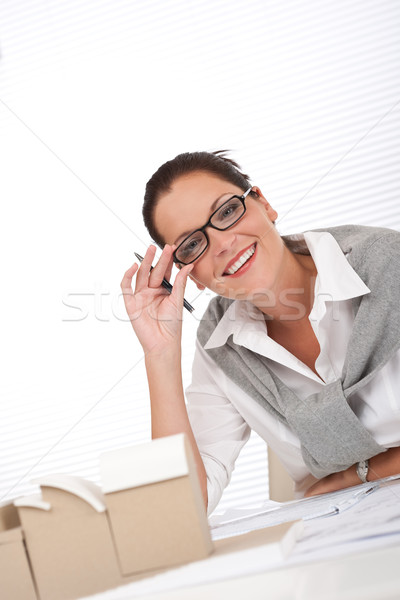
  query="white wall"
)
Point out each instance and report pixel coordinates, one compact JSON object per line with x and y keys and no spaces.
{"x":94,"y":96}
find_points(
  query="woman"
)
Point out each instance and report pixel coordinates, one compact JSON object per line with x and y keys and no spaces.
{"x":300,"y":344}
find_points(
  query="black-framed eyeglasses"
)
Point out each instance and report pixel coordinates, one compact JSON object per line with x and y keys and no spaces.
{"x":196,"y":243}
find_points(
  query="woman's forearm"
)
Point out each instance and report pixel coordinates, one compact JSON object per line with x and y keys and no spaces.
{"x":384,"y":464}
{"x":168,"y":409}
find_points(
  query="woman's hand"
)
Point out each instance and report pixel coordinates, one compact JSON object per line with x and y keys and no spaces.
{"x":155,"y":314}
{"x":334,"y":481}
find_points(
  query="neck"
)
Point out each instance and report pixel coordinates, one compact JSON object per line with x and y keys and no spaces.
{"x":290,"y":304}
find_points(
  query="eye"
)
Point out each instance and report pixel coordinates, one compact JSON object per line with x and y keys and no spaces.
{"x":229,"y":210}
{"x":191,"y":246}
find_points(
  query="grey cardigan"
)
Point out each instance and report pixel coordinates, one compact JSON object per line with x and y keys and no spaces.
{"x":331,"y":435}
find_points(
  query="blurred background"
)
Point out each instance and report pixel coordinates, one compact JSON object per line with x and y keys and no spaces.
{"x":94,"y":96}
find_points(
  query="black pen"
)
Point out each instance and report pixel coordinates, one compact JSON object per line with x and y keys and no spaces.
{"x":166,"y":284}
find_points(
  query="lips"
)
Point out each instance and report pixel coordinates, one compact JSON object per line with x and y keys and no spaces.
{"x":242,"y":258}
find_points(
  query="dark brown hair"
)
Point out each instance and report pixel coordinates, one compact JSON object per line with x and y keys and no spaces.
{"x":161,"y":182}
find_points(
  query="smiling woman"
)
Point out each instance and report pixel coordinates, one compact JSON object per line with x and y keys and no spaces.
{"x":282,"y":348}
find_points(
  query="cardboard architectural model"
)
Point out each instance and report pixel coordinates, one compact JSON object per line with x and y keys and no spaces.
{"x":155,"y":505}
{"x":81,"y":542}
{"x":16,"y":581}
{"x":68,"y":538}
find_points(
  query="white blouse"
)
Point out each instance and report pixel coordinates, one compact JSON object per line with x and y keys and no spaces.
{"x":222,"y":414}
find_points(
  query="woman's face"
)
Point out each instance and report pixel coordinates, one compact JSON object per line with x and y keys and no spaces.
{"x":189,"y":205}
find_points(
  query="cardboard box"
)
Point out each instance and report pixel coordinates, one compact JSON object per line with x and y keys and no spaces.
{"x":155,"y":505}
{"x":68,"y":539}
{"x":16,"y":581}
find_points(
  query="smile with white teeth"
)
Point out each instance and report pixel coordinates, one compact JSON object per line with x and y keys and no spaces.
{"x":240,"y":262}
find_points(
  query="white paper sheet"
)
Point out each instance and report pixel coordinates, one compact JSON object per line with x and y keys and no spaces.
{"x":236,"y":523}
{"x":369,"y":523}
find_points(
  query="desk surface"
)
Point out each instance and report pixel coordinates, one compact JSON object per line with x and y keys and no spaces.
{"x":364,"y":576}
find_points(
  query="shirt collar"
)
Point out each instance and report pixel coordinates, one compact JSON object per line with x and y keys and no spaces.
{"x":336,"y":279}
{"x":240,"y":314}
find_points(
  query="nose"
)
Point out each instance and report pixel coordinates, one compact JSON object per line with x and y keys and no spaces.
{"x":220,"y":241}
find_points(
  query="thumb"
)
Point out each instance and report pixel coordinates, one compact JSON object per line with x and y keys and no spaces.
{"x":178,"y":290}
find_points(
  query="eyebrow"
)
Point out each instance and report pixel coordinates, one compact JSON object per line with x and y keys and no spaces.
{"x":212,"y":208}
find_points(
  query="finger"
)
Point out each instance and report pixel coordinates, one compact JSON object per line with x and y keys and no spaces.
{"x":160,"y":270}
{"x":126,"y":283}
{"x":170,"y":265}
{"x":142,"y":279}
{"x":168,"y":272}
{"x":178,"y":290}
